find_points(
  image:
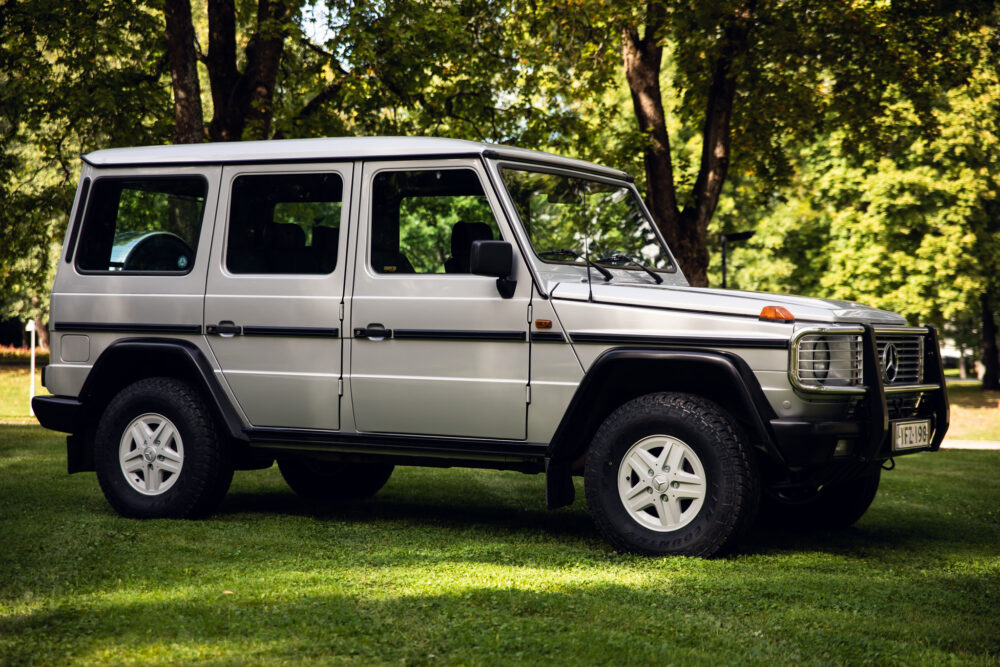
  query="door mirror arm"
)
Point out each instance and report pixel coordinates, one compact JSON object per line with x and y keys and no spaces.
{"x":494,"y":258}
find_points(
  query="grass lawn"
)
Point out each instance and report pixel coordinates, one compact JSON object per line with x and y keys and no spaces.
{"x":462,"y":566}
{"x":14,"y":393}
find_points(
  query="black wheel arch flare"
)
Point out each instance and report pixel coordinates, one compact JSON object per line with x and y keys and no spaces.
{"x":123,"y":362}
{"x":621,"y":374}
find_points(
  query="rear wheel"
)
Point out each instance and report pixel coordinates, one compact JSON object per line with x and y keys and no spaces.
{"x":332,"y":480}
{"x":157,"y":453}
{"x":671,"y":474}
{"x":833,"y":506}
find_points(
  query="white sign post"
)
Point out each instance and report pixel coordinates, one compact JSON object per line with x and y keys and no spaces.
{"x":30,"y":327}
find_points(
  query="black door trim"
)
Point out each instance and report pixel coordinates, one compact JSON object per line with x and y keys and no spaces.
{"x":453,"y":334}
{"x":308,"y":332}
{"x":127,"y":327}
{"x":680,"y":341}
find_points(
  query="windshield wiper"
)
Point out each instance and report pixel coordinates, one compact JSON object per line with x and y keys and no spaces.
{"x":566,"y":252}
{"x":620,"y":258}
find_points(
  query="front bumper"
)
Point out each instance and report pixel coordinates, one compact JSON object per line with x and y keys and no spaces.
{"x":866,"y":437}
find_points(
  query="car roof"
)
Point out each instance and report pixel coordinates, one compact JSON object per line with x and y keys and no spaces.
{"x":329,"y":150}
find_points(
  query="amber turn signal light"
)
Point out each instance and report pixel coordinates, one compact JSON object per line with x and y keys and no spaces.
{"x":776,"y":314}
{"x":543,"y":324}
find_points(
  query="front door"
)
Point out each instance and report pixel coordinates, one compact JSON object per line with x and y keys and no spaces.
{"x":435,"y":350}
{"x":275,"y":290}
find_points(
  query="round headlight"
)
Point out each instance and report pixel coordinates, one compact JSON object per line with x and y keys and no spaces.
{"x":821,"y":359}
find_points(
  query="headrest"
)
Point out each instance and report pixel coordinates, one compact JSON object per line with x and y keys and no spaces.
{"x":285,"y":235}
{"x":464,"y":233}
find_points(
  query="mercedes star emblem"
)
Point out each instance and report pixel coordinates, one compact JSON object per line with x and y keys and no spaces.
{"x":890,"y":362}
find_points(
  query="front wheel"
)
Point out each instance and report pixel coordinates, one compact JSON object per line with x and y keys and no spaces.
{"x":671,"y":474}
{"x":157,"y":453}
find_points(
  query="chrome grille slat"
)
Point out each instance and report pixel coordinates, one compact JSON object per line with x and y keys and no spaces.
{"x":909,"y":358}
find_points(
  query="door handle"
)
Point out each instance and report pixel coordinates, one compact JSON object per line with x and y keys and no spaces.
{"x":374,"y":332}
{"x":224,"y":328}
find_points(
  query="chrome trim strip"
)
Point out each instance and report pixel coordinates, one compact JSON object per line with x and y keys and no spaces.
{"x":911,"y":388}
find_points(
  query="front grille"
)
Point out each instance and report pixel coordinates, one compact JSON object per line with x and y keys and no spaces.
{"x":906,"y":366}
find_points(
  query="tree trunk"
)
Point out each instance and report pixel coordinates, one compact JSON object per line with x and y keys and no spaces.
{"x":263,"y":58}
{"x":41,"y":334}
{"x":243,"y":101}
{"x":686,"y":231}
{"x":188,"y":116}
{"x":991,"y":355}
{"x":223,"y":75}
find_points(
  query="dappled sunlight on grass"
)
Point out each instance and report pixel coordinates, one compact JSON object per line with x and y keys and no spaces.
{"x":467,"y":566}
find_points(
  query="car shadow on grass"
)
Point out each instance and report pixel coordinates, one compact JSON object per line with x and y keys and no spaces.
{"x":459,"y":514}
{"x":873,"y":533}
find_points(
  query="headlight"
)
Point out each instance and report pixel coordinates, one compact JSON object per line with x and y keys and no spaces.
{"x":827,"y":360}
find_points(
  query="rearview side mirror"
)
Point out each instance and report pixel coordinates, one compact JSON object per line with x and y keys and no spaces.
{"x":494,"y":258}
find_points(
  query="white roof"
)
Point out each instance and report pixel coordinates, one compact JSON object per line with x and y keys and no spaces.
{"x":332,"y":149}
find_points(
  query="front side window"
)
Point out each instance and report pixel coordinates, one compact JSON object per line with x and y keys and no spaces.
{"x":427,"y":221}
{"x":284,"y":223}
{"x":571,"y":216}
{"x":142,"y":225}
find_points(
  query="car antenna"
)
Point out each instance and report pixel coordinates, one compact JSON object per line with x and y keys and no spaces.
{"x":586,"y":253}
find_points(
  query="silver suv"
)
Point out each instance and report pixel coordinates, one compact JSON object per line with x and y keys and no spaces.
{"x":342,"y":306}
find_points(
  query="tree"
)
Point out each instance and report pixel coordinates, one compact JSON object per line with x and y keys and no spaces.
{"x":63,"y":90}
{"x":910,"y":222}
{"x":242,"y":100}
{"x":755,"y":75}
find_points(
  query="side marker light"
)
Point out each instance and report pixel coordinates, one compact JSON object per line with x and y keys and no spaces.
{"x":776,"y":314}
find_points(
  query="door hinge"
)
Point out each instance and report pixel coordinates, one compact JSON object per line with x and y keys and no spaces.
{"x":529,"y":312}
{"x":341,"y":311}
{"x":340,"y":387}
{"x":527,"y":394}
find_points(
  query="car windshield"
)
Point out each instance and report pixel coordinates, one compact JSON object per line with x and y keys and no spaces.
{"x":570,"y":217}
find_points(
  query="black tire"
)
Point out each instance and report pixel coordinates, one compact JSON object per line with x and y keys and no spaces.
{"x":832,"y":507}
{"x":205,"y":471}
{"x":333,"y":480}
{"x":730,"y":491}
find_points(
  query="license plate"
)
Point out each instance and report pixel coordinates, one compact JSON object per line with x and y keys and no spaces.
{"x":911,"y":434}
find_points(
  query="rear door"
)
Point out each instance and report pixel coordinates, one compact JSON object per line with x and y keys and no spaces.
{"x":275,"y":290}
{"x":435,"y":349}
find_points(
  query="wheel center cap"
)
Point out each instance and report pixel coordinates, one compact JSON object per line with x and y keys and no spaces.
{"x":149,"y":453}
{"x":661,"y":482}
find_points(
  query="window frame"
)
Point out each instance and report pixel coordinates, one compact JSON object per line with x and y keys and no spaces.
{"x":342,"y":227}
{"x":82,"y":227}
{"x":485,"y":183}
{"x":585,"y":175}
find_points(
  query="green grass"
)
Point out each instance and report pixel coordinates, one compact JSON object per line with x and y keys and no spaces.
{"x":14,"y":393}
{"x":462,"y":566}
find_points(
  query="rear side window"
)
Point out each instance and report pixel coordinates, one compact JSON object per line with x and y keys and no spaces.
{"x":136,"y":225}
{"x":284,"y":223}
